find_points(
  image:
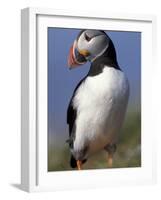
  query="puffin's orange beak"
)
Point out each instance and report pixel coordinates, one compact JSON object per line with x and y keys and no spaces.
{"x":76,"y":57}
{"x":72,"y":62}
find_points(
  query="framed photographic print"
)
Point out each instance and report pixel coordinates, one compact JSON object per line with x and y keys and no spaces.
{"x":86,"y":99}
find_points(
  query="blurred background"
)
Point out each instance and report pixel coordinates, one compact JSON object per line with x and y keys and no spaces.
{"x":61,"y":84}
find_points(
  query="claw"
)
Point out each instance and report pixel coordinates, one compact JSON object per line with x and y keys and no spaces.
{"x":79,"y":164}
{"x":110,"y":160}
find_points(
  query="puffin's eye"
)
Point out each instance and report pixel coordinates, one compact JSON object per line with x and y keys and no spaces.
{"x":87,"y":37}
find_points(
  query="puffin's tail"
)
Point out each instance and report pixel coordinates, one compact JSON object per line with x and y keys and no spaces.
{"x":73,"y":162}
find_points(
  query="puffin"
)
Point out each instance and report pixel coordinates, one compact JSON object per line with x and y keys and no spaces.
{"x":98,"y":105}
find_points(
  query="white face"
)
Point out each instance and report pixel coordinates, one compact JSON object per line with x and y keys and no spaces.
{"x":93,"y":41}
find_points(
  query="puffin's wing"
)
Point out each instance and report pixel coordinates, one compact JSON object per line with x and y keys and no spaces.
{"x":71,"y":116}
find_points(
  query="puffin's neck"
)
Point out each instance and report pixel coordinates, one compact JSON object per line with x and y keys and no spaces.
{"x":107,"y":59}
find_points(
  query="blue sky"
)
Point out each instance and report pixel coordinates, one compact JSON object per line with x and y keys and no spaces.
{"x":62,"y":81}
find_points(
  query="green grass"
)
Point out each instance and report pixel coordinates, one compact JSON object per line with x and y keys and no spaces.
{"x":128,"y":152}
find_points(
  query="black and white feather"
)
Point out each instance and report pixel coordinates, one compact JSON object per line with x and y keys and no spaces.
{"x":97,"y":108}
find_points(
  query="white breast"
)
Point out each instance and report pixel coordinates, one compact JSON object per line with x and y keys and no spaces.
{"x":101,"y":104}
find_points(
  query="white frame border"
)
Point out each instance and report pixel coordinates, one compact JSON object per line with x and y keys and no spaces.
{"x":29,"y":85}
